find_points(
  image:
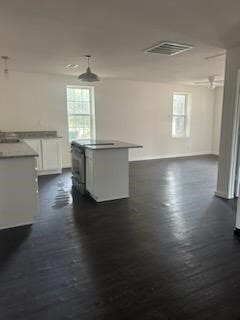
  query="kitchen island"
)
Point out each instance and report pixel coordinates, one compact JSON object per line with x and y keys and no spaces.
{"x":18,"y":184}
{"x":100,"y":168}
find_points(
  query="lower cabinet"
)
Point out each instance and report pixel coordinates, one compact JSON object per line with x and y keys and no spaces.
{"x":49,"y":160}
{"x":51,"y":155}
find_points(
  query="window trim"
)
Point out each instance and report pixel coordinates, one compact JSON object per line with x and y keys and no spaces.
{"x":92,"y":108}
{"x":186,"y":116}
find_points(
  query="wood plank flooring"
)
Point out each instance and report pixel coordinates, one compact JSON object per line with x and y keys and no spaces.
{"x":166,"y":253}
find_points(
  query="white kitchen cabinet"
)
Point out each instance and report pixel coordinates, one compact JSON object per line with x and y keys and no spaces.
{"x":52,"y":155}
{"x":49,"y":160}
{"x":36,"y":146}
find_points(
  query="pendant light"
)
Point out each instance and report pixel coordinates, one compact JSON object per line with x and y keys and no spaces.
{"x":88,"y":76}
{"x":5,"y":59}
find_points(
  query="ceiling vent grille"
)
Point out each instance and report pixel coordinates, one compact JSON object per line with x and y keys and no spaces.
{"x":169,"y":48}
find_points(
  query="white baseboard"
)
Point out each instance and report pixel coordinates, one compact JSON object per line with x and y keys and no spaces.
{"x":168,"y":156}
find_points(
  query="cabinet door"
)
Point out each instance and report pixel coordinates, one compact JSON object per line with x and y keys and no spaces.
{"x":36,"y":146}
{"x":51,"y":154}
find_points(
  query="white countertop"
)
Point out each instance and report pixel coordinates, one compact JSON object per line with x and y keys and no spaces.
{"x":104,"y":144}
{"x":16,"y":150}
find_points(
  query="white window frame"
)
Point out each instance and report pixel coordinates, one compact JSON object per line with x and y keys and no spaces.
{"x":92,"y":108}
{"x":186,"y":116}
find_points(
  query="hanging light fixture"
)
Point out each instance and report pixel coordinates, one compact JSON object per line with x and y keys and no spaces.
{"x":212,"y":84}
{"x":88,"y":76}
{"x":5,"y":59}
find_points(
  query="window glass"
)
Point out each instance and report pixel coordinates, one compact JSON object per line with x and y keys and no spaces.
{"x":180,"y":116}
{"x":80,"y":113}
{"x":179,"y":102}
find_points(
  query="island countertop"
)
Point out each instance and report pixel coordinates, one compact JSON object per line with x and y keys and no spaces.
{"x":93,"y":144}
{"x":16,"y":150}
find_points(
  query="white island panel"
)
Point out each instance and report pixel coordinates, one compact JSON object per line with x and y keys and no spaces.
{"x":107,"y":175}
{"x":18,"y":191}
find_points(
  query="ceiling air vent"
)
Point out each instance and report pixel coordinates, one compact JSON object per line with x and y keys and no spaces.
{"x":169,"y":48}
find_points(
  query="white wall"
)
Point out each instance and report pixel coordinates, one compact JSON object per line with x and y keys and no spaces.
{"x":137,"y":112}
{"x":217,"y":119}
{"x":140,"y":112}
{"x":34,"y":102}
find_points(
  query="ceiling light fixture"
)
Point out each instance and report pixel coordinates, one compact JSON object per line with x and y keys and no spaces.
{"x":88,"y":76}
{"x":71,"y":66}
{"x":212,"y":84}
{"x":5,"y":58}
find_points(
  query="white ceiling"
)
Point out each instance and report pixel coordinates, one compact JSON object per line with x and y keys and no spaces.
{"x":44,"y":35}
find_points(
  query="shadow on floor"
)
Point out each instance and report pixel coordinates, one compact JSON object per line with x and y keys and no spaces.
{"x":11,"y":240}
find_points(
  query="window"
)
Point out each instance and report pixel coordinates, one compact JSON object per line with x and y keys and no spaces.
{"x":81,"y":122}
{"x":181,"y":115}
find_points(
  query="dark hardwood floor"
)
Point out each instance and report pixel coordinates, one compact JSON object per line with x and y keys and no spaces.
{"x":167,"y":252}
